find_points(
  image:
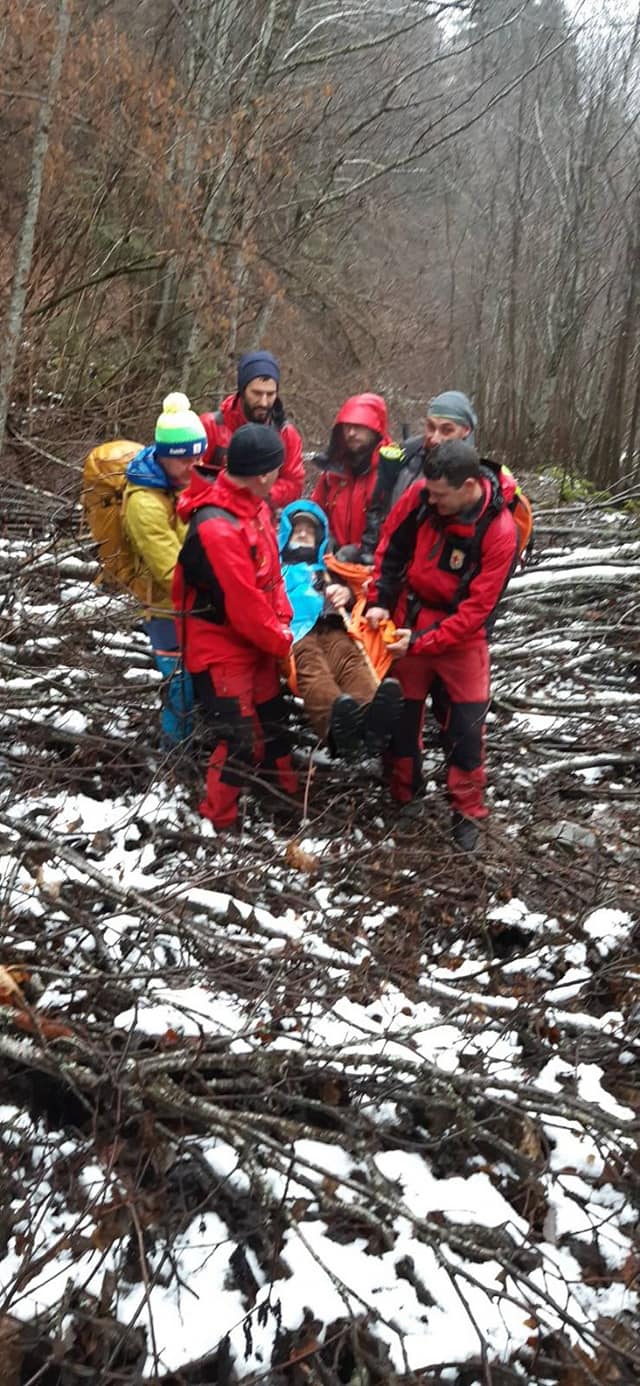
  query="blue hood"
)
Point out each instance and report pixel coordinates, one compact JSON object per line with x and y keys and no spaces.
{"x":301,"y":579}
{"x":145,"y":470}
{"x":310,"y":508}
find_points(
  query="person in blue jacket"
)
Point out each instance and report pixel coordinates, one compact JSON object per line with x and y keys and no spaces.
{"x":342,"y":696}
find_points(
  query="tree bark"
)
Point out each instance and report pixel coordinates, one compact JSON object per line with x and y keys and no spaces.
{"x":24,"y":253}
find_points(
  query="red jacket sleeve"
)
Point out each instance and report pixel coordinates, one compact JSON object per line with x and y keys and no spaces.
{"x":498,"y":553}
{"x":290,"y":483}
{"x":247,"y":609}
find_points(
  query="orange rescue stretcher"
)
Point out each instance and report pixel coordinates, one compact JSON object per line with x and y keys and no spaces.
{"x":373,"y":643}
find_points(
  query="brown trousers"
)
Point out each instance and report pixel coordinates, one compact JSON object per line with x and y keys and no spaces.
{"x":328,"y":663}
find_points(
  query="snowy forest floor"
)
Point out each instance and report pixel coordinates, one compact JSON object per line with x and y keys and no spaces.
{"x":319,"y":1102}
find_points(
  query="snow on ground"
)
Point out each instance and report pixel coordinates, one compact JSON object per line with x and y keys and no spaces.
{"x":264,"y":1106}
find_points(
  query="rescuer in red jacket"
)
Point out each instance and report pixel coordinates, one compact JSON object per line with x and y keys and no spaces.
{"x":257,"y":401}
{"x":232,"y":614}
{"x":349,"y":469}
{"x":446,"y":553}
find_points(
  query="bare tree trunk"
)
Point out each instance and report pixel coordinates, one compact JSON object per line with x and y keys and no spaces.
{"x":13,"y":326}
{"x":261,"y":321}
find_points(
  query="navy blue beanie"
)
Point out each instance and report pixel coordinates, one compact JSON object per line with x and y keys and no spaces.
{"x":256,"y":363}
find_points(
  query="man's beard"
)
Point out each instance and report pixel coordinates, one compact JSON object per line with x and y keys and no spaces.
{"x":257,"y":413}
{"x":359,"y":460}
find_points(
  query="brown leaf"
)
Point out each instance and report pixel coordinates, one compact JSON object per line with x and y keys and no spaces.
{"x":332,"y":1092}
{"x":39,"y":1025}
{"x":306,"y":1348}
{"x":10,"y":993}
{"x":530,"y":1140}
{"x":299,"y":1208}
{"x":298,"y":859}
{"x":630,"y":1272}
{"x":11,"y":1351}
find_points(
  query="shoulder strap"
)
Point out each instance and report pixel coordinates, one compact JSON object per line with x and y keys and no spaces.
{"x":215,"y":512}
{"x":218,"y":512}
{"x":474,"y":553}
{"x":411,"y":447}
{"x":399,"y":552}
{"x":219,"y":416}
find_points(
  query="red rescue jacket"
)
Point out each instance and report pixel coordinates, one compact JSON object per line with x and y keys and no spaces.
{"x":432,"y":576}
{"x":290,"y":482}
{"x":227,"y":590}
{"x":344,"y":495}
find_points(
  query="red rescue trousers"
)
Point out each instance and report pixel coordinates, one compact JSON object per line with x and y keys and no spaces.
{"x":246,"y":711}
{"x":463,"y":700}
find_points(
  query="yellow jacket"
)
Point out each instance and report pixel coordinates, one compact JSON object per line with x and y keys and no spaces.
{"x":156,"y":536}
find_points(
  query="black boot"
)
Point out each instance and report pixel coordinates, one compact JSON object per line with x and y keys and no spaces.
{"x":465,"y":832}
{"x":381,"y":716}
{"x":345,"y":727}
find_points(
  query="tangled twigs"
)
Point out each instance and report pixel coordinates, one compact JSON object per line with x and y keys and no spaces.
{"x":342,"y":1085}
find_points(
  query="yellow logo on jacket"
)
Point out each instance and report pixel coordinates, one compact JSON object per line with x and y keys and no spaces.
{"x":457,"y":559}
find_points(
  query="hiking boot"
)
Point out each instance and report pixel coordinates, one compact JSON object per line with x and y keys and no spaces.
{"x":465,"y":832}
{"x":345,"y":726}
{"x":382,"y":715}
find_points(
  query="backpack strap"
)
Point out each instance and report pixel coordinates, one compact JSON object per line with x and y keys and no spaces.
{"x":399,"y":553}
{"x":215,"y":512}
{"x":218,"y":512}
{"x":473,"y":556}
{"x":198,"y":571}
{"x":472,"y":562}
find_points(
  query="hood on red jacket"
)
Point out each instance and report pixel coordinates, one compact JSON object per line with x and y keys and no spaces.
{"x":370,"y":411}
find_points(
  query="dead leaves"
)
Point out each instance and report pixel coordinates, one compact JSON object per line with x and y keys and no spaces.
{"x":530,"y":1144}
{"x":11,"y":1350}
{"x":10,"y":980}
{"x":299,"y":860}
{"x":614,"y":1363}
{"x":11,"y":994}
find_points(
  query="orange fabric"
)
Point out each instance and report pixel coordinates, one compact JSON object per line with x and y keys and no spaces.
{"x":375,"y":643}
{"x":353,"y":575}
{"x":522,"y":512}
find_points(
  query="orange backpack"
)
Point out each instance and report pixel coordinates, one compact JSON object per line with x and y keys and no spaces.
{"x":103,"y":484}
{"x":522,"y":511}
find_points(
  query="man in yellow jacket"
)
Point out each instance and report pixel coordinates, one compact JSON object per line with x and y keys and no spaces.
{"x":155,"y":478}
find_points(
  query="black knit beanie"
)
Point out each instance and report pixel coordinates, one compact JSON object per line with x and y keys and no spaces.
{"x":254,"y":449}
